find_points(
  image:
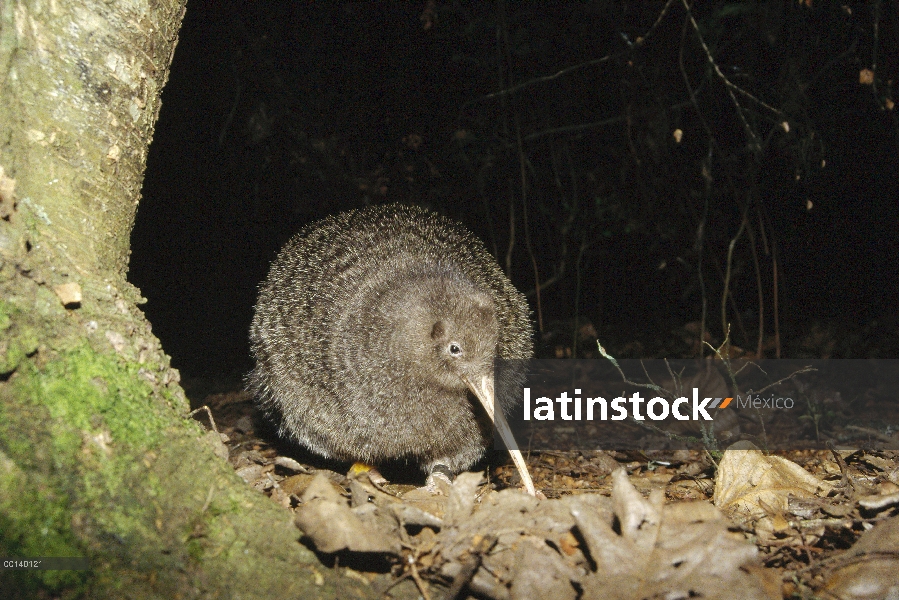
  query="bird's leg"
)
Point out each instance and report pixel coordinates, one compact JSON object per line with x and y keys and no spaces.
{"x":440,"y":479}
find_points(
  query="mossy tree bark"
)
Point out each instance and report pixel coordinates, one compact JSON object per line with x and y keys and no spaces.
{"x":97,"y":455}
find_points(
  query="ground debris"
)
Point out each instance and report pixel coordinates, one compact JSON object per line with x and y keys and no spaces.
{"x":332,"y":525}
{"x":869,"y":569}
{"x":786,"y":526}
{"x":510,"y":545}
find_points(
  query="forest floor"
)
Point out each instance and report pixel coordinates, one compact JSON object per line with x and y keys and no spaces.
{"x":802,"y":523}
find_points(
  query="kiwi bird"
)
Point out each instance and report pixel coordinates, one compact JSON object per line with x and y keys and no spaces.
{"x":373,"y":330}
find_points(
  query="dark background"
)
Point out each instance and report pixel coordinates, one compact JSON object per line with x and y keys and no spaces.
{"x":278,"y":113}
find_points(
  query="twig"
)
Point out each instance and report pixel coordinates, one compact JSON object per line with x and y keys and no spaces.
{"x":728,"y":84}
{"x":577,"y":294}
{"x":845,"y":479}
{"x":208,"y":413}
{"x":470,"y":566}
{"x":511,"y":232}
{"x":422,"y":586}
{"x":779,"y":381}
{"x":873,"y":433}
{"x":758,"y":283}
{"x":640,"y":41}
{"x":775,"y":266}
{"x":728,"y":265}
{"x":583,"y":126}
{"x":516,"y":120}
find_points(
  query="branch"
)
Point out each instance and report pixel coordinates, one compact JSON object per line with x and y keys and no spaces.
{"x":641,"y":40}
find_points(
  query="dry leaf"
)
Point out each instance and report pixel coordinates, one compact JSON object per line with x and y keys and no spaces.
{"x":559,"y":549}
{"x":541,"y":575}
{"x":682,"y":550}
{"x":870,"y":567}
{"x":748,"y":482}
{"x":879,"y":501}
{"x":332,"y":526}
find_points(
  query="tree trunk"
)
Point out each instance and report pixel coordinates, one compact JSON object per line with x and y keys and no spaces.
{"x":97,"y":455}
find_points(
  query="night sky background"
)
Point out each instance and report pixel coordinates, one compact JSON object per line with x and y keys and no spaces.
{"x":279,"y":113}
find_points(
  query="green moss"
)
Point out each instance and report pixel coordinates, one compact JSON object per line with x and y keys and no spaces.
{"x":96,"y":393}
{"x":33,"y":523}
{"x":74,"y":427}
{"x":19,"y":339}
{"x":94,"y":463}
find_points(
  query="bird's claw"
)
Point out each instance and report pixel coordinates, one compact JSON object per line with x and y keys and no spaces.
{"x":439,"y":481}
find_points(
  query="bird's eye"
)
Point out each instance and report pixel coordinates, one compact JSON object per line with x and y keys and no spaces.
{"x":455,"y":349}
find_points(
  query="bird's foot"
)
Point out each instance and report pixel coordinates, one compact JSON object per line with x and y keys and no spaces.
{"x":439,"y":481}
{"x":362,"y":469}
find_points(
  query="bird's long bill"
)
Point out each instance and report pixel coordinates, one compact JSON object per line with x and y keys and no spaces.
{"x":484,"y":393}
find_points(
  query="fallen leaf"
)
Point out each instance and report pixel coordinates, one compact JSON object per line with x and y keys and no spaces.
{"x":748,"y":482}
{"x":681,"y":550}
{"x":869,"y":569}
{"x":329,"y":522}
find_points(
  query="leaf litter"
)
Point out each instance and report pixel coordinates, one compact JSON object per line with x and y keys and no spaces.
{"x":802,"y":524}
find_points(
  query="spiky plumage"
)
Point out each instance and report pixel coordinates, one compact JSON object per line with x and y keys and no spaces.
{"x":366,"y":327}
